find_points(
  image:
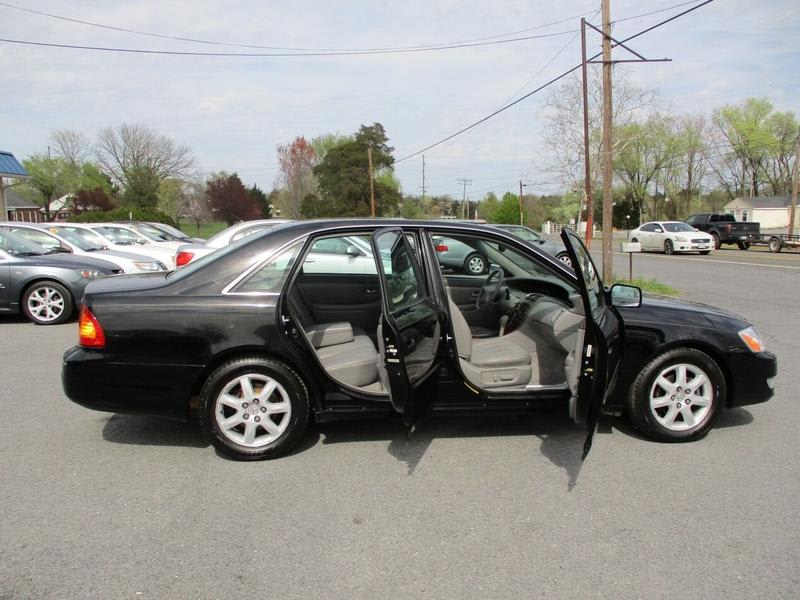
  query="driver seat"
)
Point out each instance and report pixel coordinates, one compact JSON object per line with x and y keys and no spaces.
{"x":489,"y":362}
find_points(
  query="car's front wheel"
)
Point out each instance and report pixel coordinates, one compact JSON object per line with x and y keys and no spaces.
{"x":677,"y":396}
{"x":47,"y":303}
{"x":669,"y":247}
{"x":254,"y":408}
{"x":564,"y":257}
{"x":743,"y":245}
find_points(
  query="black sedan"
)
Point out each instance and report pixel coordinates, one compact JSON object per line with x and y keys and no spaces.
{"x":255,"y":339}
{"x":44,"y":285}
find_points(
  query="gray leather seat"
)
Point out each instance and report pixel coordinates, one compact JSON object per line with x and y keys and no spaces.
{"x":491,"y":362}
{"x":349,"y":358}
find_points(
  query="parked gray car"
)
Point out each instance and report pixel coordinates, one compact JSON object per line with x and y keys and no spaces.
{"x":529,"y":235}
{"x":45,"y":286}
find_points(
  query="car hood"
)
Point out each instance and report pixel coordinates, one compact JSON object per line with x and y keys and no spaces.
{"x":70,"y":261}
{"x":121,"y":254}
{"x":681,"y":312}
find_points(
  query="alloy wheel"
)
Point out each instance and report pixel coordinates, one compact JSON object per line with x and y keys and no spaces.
{"x":46,"y":304}
{"x":253,"y":410}
{"x":681,"y":397}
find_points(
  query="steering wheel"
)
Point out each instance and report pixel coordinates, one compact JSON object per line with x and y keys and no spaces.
{"x":492,"y":288}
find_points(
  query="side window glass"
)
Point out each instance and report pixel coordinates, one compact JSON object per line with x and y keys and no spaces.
{"x":271,"y":275}
{"x":340,"y":255}
{"x":403,"y":277}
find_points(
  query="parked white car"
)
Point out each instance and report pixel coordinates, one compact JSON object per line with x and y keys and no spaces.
{"x":671,"y":237}
{"x":79,"y":244}
{"x":150,"y":234}
{"x":189,"y":252}
{"x":121,"y":240}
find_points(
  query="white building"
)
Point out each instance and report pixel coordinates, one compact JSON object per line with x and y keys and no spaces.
{"x":771,"y":211}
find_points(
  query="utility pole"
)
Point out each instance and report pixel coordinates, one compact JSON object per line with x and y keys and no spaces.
{"x":608,"y":230}
{"x":371,"y":185}
{"x":465,"y":183}
{"x":587,"y":181}
{"x":423,"y":181}
{"x":521,"y":209}
{"x":795,"y":183}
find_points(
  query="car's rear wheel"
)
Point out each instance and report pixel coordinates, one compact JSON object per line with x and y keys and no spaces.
{"x":677,"y":396}
{"x":564,"y":257}
{"x":47,"y":303}
{"x":475,"y":264}
{"x":669,"y":247}
{"x":775,"y":245}
{"x":254,"y":408}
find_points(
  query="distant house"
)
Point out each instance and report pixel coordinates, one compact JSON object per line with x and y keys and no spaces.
{"x":771,"y":211}
{"x":20,"y":209}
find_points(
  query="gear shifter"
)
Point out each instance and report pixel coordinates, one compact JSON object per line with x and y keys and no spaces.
{"x":503,"y":322}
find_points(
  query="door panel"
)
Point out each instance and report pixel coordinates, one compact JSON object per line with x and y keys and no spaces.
{"x":334,"y":297}
{"x":409,"y":332}
{"x":601,"y":353}
{"x":5,"y":283}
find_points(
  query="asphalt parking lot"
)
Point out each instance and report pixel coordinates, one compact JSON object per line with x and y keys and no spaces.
{"x":110,"y":506}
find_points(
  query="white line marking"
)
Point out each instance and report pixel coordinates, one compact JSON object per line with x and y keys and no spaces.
{"x":705,"y":260}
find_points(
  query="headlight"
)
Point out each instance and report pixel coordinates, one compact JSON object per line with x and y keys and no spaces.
{"x":148,"y":266}
{"x":680,"y":238}
{"x":751,"y":340}
{"x":89,"y":274}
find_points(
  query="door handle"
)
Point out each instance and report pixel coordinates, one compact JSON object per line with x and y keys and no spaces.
{"x":475,"y":294}
{"x":372,"y":290}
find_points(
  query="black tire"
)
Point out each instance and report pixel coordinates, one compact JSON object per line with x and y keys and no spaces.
{"x":743,"y":245}
{"x":775,"y":244}
{"x":47,"y":303}
{"x":255,"y":366}
{"x":646,"y":419}
{"x":565,"y":258}
{"x":717,"y":242}
{"x":705,"y":252}
{"x":669,"y":247}
{"x":476,"y":264}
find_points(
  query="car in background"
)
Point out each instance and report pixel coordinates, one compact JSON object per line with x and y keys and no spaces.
{"x":671,"y":237}
{"x":72,"y":240}
{"x":725,"y":229}
{"x":175,"y":233}
{"x":455,"y":255}
{"x":529,"y":235}
{"x":234,"y":233}
{"x":126,"y":240}
{"x":152,"y":235}
{"x":46,"y":286}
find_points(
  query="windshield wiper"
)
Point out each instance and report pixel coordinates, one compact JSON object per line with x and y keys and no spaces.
{"x":28,"y":253}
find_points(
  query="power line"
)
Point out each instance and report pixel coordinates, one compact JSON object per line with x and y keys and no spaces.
{"x":541,"y":87}
{"x":287,"y":54}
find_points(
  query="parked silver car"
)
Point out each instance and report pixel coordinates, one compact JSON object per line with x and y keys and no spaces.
{"x":529,"y":235}
{"x":44,"y":285}
{"x":234,"y":233}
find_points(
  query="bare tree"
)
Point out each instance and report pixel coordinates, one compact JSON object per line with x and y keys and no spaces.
{"x":72,"y":146}
{"x":138,"y":158}
{"x":295,"y":177}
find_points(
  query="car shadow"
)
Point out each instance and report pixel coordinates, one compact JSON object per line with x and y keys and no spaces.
{"x":153,"y":431}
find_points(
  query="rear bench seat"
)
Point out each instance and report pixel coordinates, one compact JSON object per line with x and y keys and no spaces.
{"x":352,"y":359}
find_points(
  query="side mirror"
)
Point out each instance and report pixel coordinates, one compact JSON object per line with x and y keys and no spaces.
{"x":352,"y":251}
{"x":626,"y":295}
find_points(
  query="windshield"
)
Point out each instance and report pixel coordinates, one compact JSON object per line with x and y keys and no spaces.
{"x":677,"y":227}
{"x":152,"y":233}
{"x":86,"y":240}
{"x":524,"y":233}
{"x":121,"y":235}
{"x":19,"y":246}
{"x":175,"y":233}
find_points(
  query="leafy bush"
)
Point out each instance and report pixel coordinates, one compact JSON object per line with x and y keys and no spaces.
{"x":134,"y":213}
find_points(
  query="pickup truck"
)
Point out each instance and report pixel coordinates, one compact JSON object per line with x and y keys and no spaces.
{"x":725,"y":229}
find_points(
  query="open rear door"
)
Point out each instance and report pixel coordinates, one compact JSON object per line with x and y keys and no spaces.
{"x":599,"y":358}
{"x":409,"y":330}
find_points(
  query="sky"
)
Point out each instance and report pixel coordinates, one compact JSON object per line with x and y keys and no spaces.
{"x":233,"y":111}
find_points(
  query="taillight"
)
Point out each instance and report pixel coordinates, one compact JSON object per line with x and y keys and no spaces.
{"x":90,"y":332}
{"x":183,"y":258}
{"x":441,"y":247}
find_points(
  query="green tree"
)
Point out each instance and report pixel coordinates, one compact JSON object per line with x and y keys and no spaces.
{"x":343,"y":176}
{"x":262,"y":200}
{"x":508,"y":211}
{"x":488,"y":207}
{"x":50,"y":178}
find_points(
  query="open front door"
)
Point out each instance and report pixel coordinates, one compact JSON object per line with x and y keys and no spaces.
{"x":600,"y":355}
{"x":409,"y":329}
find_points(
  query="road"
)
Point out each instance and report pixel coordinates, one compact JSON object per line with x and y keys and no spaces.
{"x":112,"y":506}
